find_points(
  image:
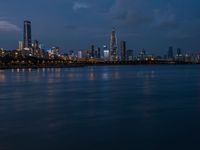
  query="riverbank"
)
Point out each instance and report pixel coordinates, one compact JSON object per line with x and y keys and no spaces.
{"x":3,"y":67}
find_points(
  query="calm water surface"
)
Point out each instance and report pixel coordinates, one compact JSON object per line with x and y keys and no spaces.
{"x":101,"y":108}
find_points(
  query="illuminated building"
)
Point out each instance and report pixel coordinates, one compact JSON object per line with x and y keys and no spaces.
{"x":179,"y":56}
{"x":105,"y":53}
{"x":36,"y":44}
{"x":80,"y":55}
{"x":20,"y":45}
{"x":113,"y":46}
{"x":54,"y":52}
{"x":27,"y":34}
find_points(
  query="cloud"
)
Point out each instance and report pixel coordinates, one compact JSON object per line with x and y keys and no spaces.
{"x":80,"y":5}
{"x":188,"y":30}
{"x":165,"y":18}
{"x":129,"y":13}
{"x":7,"y":26}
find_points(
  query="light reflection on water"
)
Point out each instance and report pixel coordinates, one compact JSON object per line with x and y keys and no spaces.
{"x":2,"y":77}
{"x":136,"y":107}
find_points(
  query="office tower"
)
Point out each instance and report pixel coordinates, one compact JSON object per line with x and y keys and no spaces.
{"x":95,"y":53}
{"x":27,"y":34}
{"x":92,"y":51}
{"x":36,"y":44}
{"x":113,"y":46}
{"x":123,"y":50}
{"x":178,"y":52}
{"x":20,"y":45}
{"x":99,"y":52}
{"x":130,"y":55}
{"x":80,"y":55}
{"x":41,"y":46}
{"x":170,"y":53}
{"x":105,"y":53}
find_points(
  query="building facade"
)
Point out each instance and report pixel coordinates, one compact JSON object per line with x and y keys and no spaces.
{"x":27,"y":43}
{"x":113,"y":47}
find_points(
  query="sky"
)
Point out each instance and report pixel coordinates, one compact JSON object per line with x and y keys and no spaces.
{"x":76,"y":24}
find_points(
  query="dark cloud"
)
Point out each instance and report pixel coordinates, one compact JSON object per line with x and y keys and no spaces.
{"x":129,"y":13}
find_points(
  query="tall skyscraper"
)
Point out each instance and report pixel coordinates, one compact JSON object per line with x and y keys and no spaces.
{"x":123,"y":50}
{"x":27,"y":34}
{"x":99,"y":52}
{"x":170,"y":53}
{"x":92,"y":51}
{"x":113,"y":46}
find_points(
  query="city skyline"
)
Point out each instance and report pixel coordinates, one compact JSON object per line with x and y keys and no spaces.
{"x":153,"y":26}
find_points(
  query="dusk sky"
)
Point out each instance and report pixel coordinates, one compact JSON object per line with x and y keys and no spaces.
{"x":151,"y":24}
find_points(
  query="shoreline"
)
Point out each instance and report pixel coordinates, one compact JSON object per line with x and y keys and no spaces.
{"x":5,"y":67}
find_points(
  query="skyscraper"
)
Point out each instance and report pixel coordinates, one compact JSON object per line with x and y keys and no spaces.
{"x":92,"y":51}
{"x":99,"y":52}
{"x":178,"y":52}
{"x":123,"y":50}
{"x":170,"y":53}
{"x":105,"y":53}
{"x":27,"y":34}
{"x":35,"y":44}
{"x":113,"y":46}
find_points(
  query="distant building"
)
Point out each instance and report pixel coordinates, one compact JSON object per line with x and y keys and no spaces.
{"x":92,"y":51}
{"x":123,"y":50}
{"x":142,"y":55}
{"x":35,"y":44}
{"x":179,"y":56}
{"x":113,"y":46}
{"x":20,"y":45}
{"x":98,"y":53}
{"x":130,"y":56}
{"x":41,"y":46}
{"x":54,"y":52}
{"x":27,"y":43}
{"x":170,"y":53}
{"x":179,"y":52}
{"x":2,"y":52}
{"x":80,"y":55}
{"x":106,"y":53}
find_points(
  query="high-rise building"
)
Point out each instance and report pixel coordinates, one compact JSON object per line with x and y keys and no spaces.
{"x":27,"y":34}
{"x":113,"y":46}
{"x":123,"y":50}
{"x":105,"y":53}
{"x":130,"y":55}
{"x":92,"y":51}
{"x":80,"y":55}
{"x":170,"y":53}
{"x":35,"y":44}
{"x":20,"y":46}
{"x":99,"y":53}
{"x":178,"y":52}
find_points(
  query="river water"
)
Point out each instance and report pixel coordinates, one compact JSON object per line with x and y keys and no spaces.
{"x":154,"y":107}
